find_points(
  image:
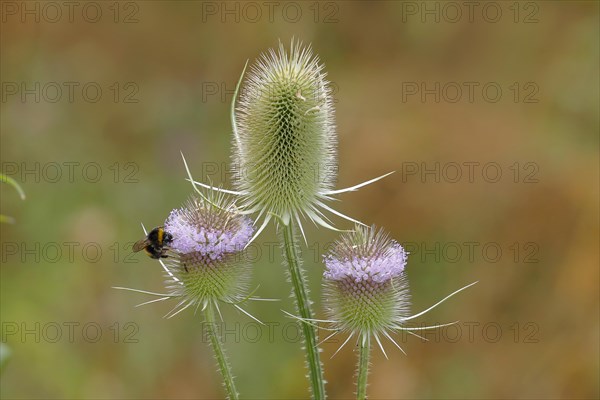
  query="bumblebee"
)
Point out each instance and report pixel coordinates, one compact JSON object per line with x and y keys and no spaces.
{"x":155,"y":244}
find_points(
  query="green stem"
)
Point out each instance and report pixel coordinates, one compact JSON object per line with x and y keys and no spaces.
{"x":303,"y":304}
{"x":363,"y":367}
{"x":209,"y":314}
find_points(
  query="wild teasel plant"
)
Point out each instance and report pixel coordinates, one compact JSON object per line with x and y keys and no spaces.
{"x":206,"y":265}
{"x":366,"y":294}
{"x":284,"y":158}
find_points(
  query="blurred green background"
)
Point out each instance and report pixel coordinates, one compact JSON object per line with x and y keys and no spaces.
{"x":95,"y":166}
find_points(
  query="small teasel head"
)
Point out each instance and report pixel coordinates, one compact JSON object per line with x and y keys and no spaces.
{"x":366,"y":291}
{"x":284,"y":135}
{"x":208,"y":262}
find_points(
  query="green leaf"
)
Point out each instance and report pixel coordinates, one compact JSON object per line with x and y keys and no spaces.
{"x":13,"y":183}
{"x":5,"y":353}
{"x":5,"y":219}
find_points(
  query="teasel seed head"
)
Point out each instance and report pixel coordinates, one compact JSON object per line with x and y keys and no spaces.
{"x":285,"y":140}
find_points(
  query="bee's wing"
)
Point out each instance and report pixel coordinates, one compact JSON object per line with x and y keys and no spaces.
{"x":140,"y":245}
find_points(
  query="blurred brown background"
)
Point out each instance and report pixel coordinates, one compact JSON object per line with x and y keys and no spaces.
{"x":511,"y":198}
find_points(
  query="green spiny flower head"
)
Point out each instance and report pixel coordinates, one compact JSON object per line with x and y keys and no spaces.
{"x":285,"y":139}
{"x":365,"y":288}
{"x":208,"y":241}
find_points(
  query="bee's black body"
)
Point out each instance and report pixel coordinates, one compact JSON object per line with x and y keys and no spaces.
{"x":155,"y":244}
